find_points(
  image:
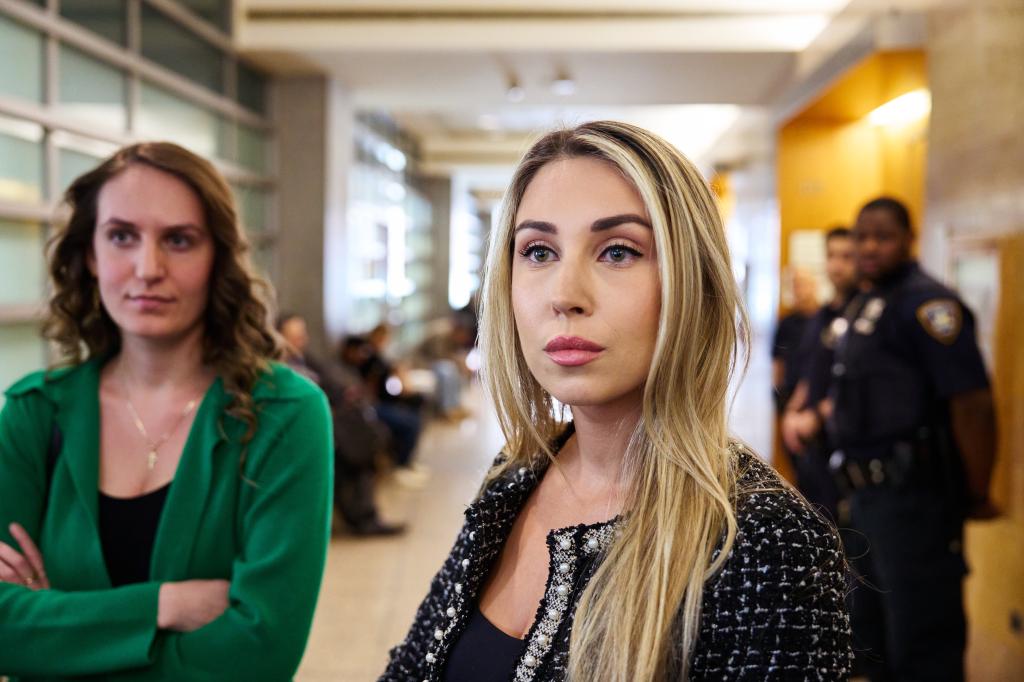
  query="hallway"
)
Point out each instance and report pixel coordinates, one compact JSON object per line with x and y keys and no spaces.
{"x":372,"y":586}
{"x":364,"y":150}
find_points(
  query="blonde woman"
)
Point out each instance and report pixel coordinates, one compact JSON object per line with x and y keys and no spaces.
{"x":636,"y":542}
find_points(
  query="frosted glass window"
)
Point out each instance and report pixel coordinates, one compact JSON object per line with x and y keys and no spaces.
{"x":21,"y":351}
{"x":22,"y":265}
{"x":263,"y":261}
{"x":172,"y":45}
{"x":252,"y":207}
{"x":21,"y":53}
{"x":214,"y":11}
{"x":252,"y":89}
{"x":91,"y":91}
{"x":252,"y":148}
{"x":74,"y":163}
{"x":165,"y":116}
{"x":21,"y":160}
{"x":106,"y":18}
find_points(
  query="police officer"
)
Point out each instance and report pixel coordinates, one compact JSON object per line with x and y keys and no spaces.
{"x":801,"y":426}
{"x":913,"y":426}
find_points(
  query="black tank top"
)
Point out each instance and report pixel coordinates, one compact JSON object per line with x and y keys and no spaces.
{"x":483,"y":652}
{"x":127,"y":532}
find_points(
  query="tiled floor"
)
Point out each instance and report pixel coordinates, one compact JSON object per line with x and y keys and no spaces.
{"x":372,"y":587}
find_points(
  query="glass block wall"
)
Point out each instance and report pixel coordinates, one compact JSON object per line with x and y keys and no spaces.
{"x":390,"y":220}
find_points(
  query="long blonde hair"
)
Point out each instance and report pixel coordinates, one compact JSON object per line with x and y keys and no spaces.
{"x":639,"y":616}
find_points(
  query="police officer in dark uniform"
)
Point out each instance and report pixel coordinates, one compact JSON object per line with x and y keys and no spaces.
{"x":801,"y":430}
{"x":913,"y":426}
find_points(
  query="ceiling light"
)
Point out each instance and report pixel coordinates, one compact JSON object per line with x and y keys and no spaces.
{"x":488,"y":122}
{"x":905,"y":109}
{"x":514,"y":91}
{"x":563,"y":85}
{"x":693,"y":128}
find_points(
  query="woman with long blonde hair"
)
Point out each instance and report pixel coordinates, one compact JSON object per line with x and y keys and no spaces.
{"x":636,"y":541}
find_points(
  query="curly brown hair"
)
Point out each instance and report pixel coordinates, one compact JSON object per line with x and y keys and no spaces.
{"x":238,"y":340}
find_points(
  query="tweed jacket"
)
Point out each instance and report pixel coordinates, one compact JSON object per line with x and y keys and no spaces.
{"x":775,"y":611}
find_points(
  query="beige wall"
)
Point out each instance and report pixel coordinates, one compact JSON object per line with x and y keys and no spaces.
{"x":315,"y":127}
{"x":975,"y":201}
{"x":438,"y":191}
{"x":301,"y":105}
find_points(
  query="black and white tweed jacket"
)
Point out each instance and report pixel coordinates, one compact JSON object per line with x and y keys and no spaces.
{"x":775,"y":611}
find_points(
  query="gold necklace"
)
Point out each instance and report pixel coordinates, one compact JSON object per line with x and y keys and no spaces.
{"x":154,"y":445}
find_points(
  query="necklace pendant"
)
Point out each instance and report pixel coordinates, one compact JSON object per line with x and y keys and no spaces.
{"x":151,"y":459}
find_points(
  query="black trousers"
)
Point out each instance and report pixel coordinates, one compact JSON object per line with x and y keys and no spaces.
{"x":354,"y":494}
{"x":815,"y":481}
{"x":906,"y":605}
{"x":356,"y":442}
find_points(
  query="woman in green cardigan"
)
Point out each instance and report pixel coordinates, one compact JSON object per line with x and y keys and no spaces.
{"x":165,"y":496}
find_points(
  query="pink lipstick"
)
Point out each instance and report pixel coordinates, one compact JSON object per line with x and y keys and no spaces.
{"x":572,"y":351}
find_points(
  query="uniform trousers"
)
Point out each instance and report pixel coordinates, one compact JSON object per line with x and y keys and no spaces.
{"x":905,"y":548}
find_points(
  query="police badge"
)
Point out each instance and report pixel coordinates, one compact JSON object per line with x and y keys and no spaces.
{"x":831,"y":333}
{"x":942,"y":318}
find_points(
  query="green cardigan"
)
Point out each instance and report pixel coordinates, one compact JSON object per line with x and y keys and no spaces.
{"x":265,"y":527}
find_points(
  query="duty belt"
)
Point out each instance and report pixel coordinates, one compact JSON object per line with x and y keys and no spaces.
{"x":893,"y":468}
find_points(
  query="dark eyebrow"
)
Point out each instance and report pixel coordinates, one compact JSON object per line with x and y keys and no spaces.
{"x":538,"y":225}
{"x":598,"y":225}
{"x":118,"y":222}
{"x":616,"y":220}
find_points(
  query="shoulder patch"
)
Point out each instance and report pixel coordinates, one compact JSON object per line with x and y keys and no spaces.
{"x":942,"y":318}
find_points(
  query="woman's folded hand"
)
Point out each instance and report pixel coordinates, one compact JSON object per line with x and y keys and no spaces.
{"x":24,"y":567}
{"x":190,"y":604}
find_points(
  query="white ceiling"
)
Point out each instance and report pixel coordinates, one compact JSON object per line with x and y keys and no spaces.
{"x":455,"y":83}
{"x":442,"y":67}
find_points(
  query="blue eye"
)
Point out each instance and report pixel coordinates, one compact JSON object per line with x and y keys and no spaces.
{"x":537,"y":253}
{"x":620,"y":254}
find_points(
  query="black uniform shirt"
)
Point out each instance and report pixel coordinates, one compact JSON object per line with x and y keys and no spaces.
{"x":816,"y":349}
{"x":786,"y":346}
{"x":930,"y":324}
{"x":909,"y":346}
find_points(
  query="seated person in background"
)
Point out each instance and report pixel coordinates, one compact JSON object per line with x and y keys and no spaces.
{"x":357,"y":437}
{"x":165,"y":496}
{"x":636,"y":541}
{"x":442,"y":349}
{"x":402,"y":417}
{"x":387,"y":378}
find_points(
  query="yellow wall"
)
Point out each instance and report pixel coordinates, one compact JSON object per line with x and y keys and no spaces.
{"x":995,"y":549}
{"x":721,"y":185}
{"x":831,"y":159}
